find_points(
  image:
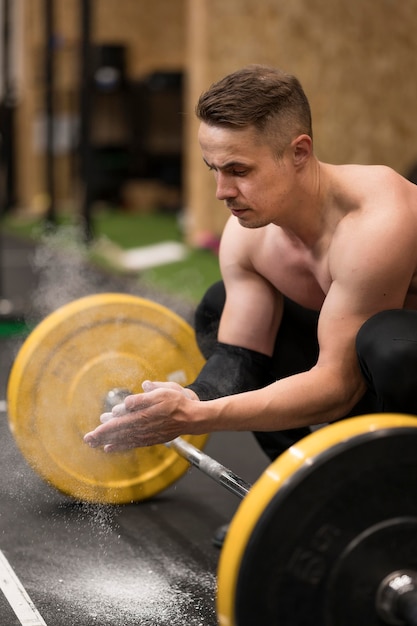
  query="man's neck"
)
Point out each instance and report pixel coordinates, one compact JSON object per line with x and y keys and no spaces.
{"x":308,"y":220}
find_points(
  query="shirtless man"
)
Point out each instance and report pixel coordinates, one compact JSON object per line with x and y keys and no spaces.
{"x":319,"y":264}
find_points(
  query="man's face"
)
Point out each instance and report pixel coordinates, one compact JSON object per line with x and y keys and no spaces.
{"x":252,"y":181}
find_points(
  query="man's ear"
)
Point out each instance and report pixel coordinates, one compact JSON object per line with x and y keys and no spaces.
{"x":302,"y":149}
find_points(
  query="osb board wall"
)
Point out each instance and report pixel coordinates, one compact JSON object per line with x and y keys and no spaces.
{"x":357,"y":61}
{"x":153,"y":31}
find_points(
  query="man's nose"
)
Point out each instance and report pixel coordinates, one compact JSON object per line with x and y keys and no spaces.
{"x":225,"y":187}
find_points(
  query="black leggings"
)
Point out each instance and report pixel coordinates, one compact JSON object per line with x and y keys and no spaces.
{"x":386,"y":348}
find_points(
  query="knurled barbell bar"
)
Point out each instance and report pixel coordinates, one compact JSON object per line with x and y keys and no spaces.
{"x":327,"y":535}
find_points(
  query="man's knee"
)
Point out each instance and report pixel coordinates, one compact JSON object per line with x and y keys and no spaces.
{"x":389,"y":337}
{"x":387,"y":351}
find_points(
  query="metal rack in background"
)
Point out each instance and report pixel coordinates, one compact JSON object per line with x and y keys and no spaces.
{"x":10,"y":321}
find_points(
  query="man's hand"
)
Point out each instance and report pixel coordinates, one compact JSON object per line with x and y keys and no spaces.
{"x":144,"y":419}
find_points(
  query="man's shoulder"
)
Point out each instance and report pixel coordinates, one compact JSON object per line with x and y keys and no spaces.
{"x":375,"y":192}
{"x":375,"y":177}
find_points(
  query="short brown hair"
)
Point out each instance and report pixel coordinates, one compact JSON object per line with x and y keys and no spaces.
{"x":264,"y":97}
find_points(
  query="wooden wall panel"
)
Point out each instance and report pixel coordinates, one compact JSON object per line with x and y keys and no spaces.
{"x":153,"y":30}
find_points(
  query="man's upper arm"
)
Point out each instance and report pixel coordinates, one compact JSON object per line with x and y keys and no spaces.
{"x":370,"y":274}
{"x":253,"y":307}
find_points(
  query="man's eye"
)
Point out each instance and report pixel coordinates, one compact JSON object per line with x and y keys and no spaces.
{"x":239,"y":172}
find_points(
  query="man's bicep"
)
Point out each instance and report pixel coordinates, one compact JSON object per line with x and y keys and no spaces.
{"x":352,"y":299}
{"x":338,"y":325}
{"x":373,"y":269}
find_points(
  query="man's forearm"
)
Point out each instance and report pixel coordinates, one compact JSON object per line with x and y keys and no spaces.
{"x":301,"y":400}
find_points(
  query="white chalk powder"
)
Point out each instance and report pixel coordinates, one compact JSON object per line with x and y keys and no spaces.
{"x":65,"y":274}
{"x":139,"y":595}
{"x":114,"y":580}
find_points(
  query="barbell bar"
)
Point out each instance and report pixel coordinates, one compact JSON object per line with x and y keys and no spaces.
{"x":209,"y":466}
{"x":327,"y":535}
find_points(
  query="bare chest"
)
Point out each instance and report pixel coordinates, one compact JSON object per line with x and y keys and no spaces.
{"x":295,"y":273}
{"x":303,"y":277}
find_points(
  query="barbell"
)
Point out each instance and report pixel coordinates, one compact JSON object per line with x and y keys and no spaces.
{"x":327,"y":536}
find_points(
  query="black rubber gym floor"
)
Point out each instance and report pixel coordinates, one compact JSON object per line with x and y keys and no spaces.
{"x":149,"y":563}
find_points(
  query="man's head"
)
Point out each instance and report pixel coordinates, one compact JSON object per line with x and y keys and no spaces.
{"x":263,"y":97}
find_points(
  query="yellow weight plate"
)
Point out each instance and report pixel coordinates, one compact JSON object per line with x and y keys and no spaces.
{"x":281,"y":472}
{"x":60,"y":380}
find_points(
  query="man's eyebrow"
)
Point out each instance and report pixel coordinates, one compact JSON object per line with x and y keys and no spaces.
{"x":226,"y":166}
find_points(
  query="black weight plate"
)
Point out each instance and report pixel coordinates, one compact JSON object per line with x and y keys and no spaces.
{"x":329,"y":536}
